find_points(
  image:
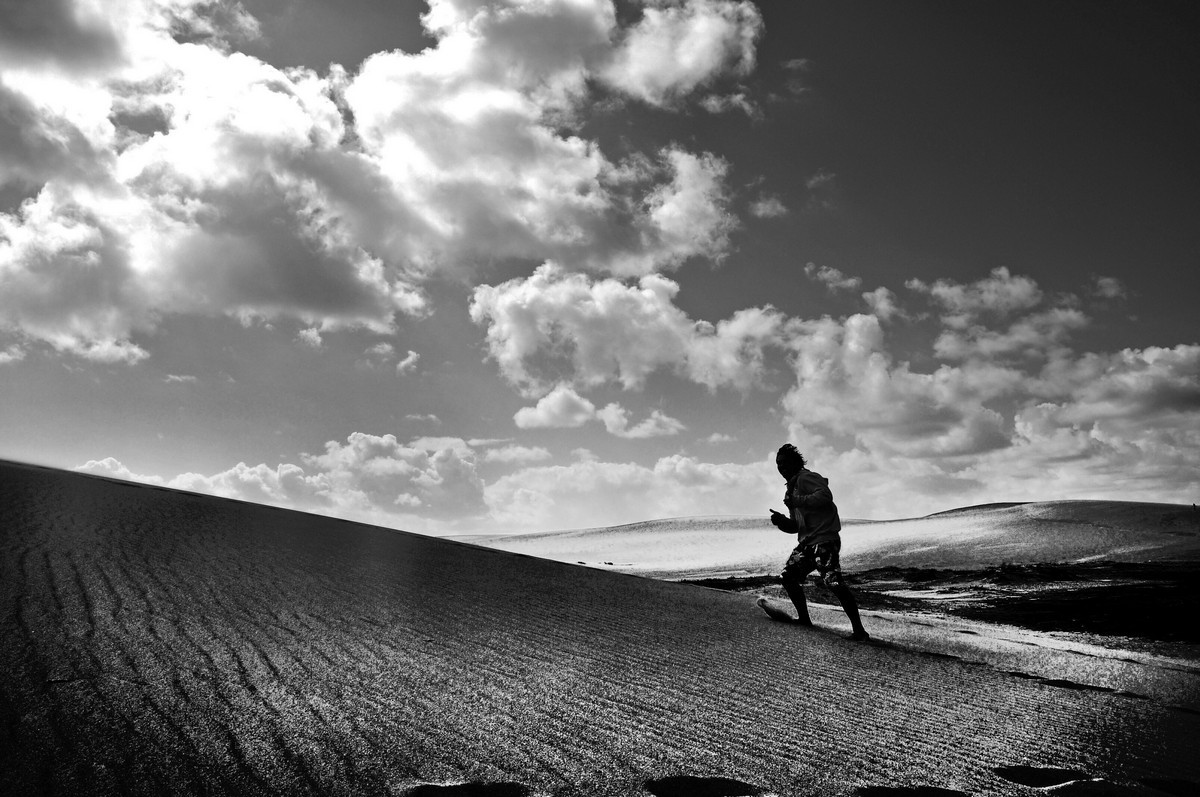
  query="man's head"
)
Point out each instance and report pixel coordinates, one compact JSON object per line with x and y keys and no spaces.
{"x":789,"y":460}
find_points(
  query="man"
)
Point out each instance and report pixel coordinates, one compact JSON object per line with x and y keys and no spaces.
{"x":814,"y":518}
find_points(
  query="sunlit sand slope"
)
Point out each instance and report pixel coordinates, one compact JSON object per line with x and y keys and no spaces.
{"x":1052,"y":531}
{"x":160,"y":642}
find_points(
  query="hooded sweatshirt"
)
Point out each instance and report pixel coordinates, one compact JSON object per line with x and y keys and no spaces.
{"x":811,"y":503}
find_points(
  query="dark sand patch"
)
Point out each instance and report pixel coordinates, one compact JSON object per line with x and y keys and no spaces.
{"x":1175,"y":786}
{"x":1040,"y":777}
{"x":692,"y":786}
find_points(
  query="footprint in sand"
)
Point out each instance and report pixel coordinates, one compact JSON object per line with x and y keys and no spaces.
{"x":691,"y":786}
{"x":474,"y":789}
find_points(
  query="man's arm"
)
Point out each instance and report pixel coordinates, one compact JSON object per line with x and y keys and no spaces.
{"x":784,"y":523}
{"x":814,"y":491}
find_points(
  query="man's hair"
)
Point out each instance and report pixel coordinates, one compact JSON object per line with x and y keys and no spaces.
{"x":789,"y":453}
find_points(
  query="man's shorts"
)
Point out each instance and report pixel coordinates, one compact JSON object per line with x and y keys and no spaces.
{"x":822,"y":557}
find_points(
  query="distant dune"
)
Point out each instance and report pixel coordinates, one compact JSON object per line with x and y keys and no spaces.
{"x":970,"y":537}
{"x":159,"y":642}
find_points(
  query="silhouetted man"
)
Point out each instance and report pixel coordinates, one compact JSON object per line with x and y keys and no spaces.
{"x":814,"y":517}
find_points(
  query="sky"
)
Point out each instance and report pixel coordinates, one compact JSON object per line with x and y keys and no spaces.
{"x":474,"y":266}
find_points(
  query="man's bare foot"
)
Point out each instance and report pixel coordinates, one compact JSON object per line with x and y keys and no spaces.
{"x":859,"y":636}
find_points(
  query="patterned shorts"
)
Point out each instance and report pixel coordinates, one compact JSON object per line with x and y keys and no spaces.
{"x":822,"y":557}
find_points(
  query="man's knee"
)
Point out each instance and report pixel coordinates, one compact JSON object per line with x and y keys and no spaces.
{"x":794,"y":577}
{"x":834,"y":581}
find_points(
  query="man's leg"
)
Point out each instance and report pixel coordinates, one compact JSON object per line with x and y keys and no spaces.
{"x":830,"y":567}
{"x":850,"y":605}
{"x":795,"y":573}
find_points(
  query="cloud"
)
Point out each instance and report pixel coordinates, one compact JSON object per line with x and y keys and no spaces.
{"x":717,"y":438}
{"x":516,"y":455}
{"x":689,"y":216}
{"x":616,"y":421}
{"x":427,"y":418}
{"x":173,"y":175}
{"x":1011,"y":412}
{"x":848,"y":385}
{"x":432,"y":486}
{"x":428,"y":484}
{"x":724,"y":103}
{"x":555,"y":327}
{"x":884,"y":305}
{"x":797,"y":68}
{"x":111,"y":467}
{"x":997,"y":296}
{"x":180,"y":379}
{"x":409,"y":363}
{"x":768,"y":207}
{"x":824,"y":191}
{"x":1110,"y":288}
{"x":311,"y":337}
{"x":11,"y":354}
{"x":676,"y":48}
{"x":833,"y":279}
{"x":563,"y":408}
{"x":73,"y":37}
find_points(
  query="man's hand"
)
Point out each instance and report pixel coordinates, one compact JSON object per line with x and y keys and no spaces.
{"x":783,"y":522}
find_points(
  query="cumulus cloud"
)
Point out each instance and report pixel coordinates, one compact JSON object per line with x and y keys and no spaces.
{"x":426,"y":418}
{"x":171,"y":174}
{"x":428,"y":484}
{"x":997,"y":296}
{"x":677,"y":47}
{"x":1011,"y":412}
{"x":884,"y":305}
{"x":112,"y":468}
{"x":311,"y":337}
{"x":724,"y":103}
{"x":516,"y":455}
{"x":616,"y":421}
{"x":1109,"y":288}
{"x":408,"y":363}
{"x":555,"y":327}
{"x":563,"y":408}
{"x":849,"y":385}
{"x":832,"y":278}
{"x":11,"y":354}
{"x":768,"y":207}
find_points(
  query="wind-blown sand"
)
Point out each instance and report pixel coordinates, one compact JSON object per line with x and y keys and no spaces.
{"x":155,"y":641}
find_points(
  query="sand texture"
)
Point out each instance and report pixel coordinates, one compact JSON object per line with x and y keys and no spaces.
{"x":160,"y":642}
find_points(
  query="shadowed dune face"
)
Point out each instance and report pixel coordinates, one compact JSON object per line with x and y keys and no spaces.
{"x":160,"y":642}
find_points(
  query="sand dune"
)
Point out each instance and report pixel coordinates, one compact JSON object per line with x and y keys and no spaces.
{"x":162,"y":642}
{"x":973,"y":537}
